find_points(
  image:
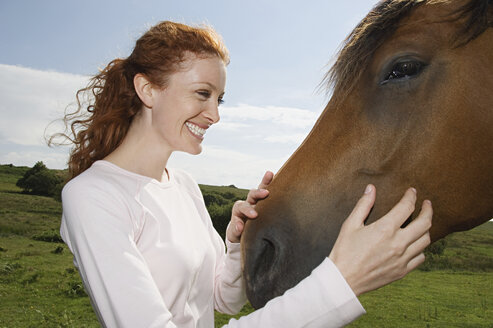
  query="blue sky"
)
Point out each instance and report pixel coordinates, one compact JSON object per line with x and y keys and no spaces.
{"x":279,"y":54}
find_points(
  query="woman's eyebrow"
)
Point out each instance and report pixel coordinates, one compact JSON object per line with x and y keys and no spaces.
{"x":208,"y":83}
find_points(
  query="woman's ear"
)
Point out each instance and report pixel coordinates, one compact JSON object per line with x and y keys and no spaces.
{"x":143,"y":87}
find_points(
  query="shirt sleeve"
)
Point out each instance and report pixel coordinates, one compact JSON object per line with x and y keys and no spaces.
{"x":229,"y":287}
{"x":323,"y":299}
{"x":99,"y":231}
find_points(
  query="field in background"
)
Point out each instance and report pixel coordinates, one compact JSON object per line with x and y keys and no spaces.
{"x":39,"y":286}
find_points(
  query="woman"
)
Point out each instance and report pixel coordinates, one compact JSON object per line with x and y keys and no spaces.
{"x":140,"y":233}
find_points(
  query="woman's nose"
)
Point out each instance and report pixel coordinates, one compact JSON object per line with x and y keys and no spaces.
{"x":212,"y":113}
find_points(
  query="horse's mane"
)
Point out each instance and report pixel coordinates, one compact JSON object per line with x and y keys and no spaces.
{"x":381,"y":23}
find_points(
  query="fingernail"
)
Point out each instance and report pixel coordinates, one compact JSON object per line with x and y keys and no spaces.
{"x":252,"y":212}
{"x":414,"y":190}
{"x":368,"y":189}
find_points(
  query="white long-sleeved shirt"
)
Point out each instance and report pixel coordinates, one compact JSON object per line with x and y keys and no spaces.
{"x":149,"y":257}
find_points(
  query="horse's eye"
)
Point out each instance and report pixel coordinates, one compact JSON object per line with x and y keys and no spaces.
{"x":403,"y":70}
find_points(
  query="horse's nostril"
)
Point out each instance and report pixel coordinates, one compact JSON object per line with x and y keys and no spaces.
{"x":265,"y":258}
{"x":262,"y":270}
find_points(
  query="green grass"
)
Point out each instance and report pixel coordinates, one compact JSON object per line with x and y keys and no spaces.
{"x":431,"y":299}
{"x":39,"y":286}
{"x":9,"y":176}
{"x":424,"y":299}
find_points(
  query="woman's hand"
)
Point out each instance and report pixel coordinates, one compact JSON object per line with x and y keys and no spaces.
{"x":375,"y":255}
{"x":245,"y":210}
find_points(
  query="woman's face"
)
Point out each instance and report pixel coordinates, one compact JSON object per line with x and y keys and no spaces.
{"x":188,"y":105}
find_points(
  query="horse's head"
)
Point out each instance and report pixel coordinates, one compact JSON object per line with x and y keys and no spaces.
{"x":412,"y":106}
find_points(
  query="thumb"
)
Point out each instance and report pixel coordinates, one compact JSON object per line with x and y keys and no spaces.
{"x":234,"y":230}
{"x":360,"y":212}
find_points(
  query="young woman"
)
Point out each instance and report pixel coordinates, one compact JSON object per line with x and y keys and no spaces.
{"x":140,"y":233}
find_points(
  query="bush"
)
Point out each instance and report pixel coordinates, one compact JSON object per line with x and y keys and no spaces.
{"x":58,"y":250}
{"x":7,"y":268}
{"x":52,"y":236}
{"x":220,"y":215}
{"x":39,"y":180}
{"x":437,"y":247}
{"x":229,"y":195}
{"x":214,"y":198}
{"x":75,"y":289}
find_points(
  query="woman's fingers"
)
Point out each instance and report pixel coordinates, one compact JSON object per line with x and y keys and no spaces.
{"x":244,"y":210}
{"x":420,"y":225}
{"x":415,"y":262}
{"x":266,"y":180}
{"x":362,"y":209}
{"x":401,"y":211}
{"x":255,"y":195}
{"x":417,"y":247}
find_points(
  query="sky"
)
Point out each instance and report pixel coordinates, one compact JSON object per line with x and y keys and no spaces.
{"x":280,"y":51}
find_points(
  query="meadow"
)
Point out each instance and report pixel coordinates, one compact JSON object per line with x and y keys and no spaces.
{"x":39,"y":286}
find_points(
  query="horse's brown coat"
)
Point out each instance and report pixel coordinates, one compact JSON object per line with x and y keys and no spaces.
{"x":433,"y":131}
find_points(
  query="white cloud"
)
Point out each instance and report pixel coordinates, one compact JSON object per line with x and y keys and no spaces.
{"x":30,"y":99}
{"x":246,"y":142}
{"x":231,"y":126}
{"x":52,"y":159}
{"x":285,"y":116}
{"x":294,"y":138}
{"x":221,"y":166}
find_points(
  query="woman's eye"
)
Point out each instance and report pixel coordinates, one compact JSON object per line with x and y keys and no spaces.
{"x":402,"y":70}
{"x":204,"y":94}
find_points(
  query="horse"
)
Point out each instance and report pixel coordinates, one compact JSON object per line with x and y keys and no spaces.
{"x":411,"y":105}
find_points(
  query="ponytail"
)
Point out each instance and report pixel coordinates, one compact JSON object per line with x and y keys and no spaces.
{"x":113,"y":103}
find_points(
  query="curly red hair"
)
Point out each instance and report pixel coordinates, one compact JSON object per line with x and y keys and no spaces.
{"x":98,"y":128}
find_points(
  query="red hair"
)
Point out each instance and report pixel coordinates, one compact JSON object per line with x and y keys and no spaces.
{"x":113,"y":103}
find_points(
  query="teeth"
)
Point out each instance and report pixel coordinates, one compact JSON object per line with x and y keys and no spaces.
{"x":195,"y":129}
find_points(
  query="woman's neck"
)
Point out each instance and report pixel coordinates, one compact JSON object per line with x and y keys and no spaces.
{"x":140,"y":152}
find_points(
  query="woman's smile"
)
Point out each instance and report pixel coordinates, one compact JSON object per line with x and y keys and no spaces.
{"x":197,"y":131}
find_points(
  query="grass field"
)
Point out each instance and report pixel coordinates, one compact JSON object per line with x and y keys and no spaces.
{"x":39,"y":286}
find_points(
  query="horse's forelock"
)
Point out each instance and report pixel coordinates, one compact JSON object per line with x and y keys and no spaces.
{"x":478,"y":17}
{"x":380,"y":23}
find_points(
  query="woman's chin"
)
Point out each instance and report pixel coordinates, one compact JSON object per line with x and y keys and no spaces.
{"x":195,"y":150}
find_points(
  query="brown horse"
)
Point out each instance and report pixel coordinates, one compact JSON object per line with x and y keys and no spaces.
{"x":412,"y":106}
